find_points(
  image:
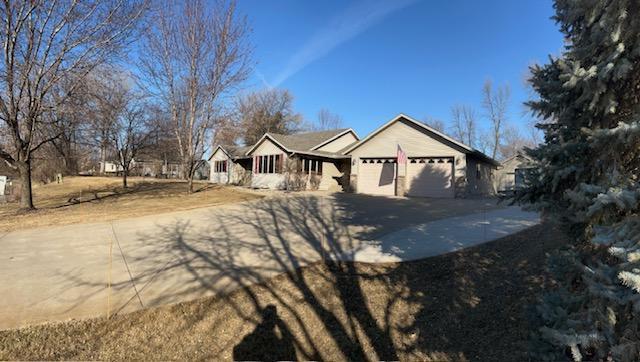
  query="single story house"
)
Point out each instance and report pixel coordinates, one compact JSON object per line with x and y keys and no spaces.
{"x":512,"y":171}
{"x":436,"y":165}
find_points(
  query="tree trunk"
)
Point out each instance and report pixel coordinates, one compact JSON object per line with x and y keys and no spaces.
{"x":103,"y":159}
{"x":124,"y":178}
{"x":190,"y":182}
{"x":26,"y":195}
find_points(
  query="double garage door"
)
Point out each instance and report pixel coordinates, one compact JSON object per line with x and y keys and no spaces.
{"x":425,"y":177}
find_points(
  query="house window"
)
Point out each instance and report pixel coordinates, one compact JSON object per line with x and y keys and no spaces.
{"x":312,"y":166}
{"x":220,"y":166}
{"x":268,"y":164}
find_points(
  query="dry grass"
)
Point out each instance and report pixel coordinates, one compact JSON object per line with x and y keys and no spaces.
{"x":92,"y":199}
{"x":468,"y":305}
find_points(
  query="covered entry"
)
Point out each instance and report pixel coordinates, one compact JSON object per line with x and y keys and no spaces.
{"x":430,"y":177}
{"x":377,"y":176}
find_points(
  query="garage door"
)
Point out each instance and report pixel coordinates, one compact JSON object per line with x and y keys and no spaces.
{"x":430,"y":177}
{"x":377,"y":176}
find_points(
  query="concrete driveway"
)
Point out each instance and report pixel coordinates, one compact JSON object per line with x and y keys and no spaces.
{"x":87,"y":270}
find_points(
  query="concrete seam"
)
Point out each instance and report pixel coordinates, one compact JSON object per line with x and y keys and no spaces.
{"x":113,"y":231}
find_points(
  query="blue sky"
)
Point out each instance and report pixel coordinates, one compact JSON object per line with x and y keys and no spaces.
{"x":369,"y":60}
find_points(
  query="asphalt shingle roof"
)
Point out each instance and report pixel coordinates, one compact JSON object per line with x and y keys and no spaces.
{"x":236,"y":151}
{"x":305,"y":141}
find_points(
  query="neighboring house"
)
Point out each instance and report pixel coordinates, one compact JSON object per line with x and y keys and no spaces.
{"x":303,"y":161}
{"x":512,"y":171}
{"x":437,"y":165}
{"x":154,"y":168}
{"x":230,"y":165}
{"x":110,"y":167}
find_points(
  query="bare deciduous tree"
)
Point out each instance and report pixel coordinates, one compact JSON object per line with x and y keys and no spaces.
{"x":131,"y":132}
{"x":514,"y":141}
{"x":65,"y":153}
{"x":226,"y":131}
{"x":434,"y":123}
{"x":327,"y":120}
{"x":107,"y":91}
{"x":44,"y":43}
{"x":464,"y":124}
{"x":265,"y":111}
{"x":495,"y":104}
{"x":194,"y":54}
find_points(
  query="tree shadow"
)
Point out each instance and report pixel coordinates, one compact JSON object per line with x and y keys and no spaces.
{"x":277,"y":236}
{"x":283,"y":266}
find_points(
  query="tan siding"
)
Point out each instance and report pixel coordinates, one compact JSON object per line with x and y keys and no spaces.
{"x":339,"y":143}
{"x":267,"y":147}
{"x":328,"y":182}
{"x":483,"y":185}
{"x":414,"y":142}
{"x":505,"y":176}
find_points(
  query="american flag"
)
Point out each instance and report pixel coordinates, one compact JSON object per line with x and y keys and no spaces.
{"x":402,"y":157}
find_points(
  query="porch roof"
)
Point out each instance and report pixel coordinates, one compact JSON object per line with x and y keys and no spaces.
{"x":323,"y":154}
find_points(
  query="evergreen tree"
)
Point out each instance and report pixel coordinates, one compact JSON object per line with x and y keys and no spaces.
{"x":588,"y":178}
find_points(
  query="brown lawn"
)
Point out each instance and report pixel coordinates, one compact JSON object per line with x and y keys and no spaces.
{"x":468,"y":305}
{"x":92,"y":199}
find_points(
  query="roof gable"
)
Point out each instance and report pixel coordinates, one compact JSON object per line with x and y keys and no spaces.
{"x":336,"y":137}
{"x":232,"y":151}
{"x":306,"y":141}
{"x":519,"y":157}
{"x":266,"y":138}
{"x":439,"y":135}
{"x":215,"y":150}
{"x":432,"y":133}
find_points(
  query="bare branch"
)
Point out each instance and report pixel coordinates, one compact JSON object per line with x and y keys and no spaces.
{"x":195,"y":55}
{"x":496,"y":104}
{"x":46,"y":43}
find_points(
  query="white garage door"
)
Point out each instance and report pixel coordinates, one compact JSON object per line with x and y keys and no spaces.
{"x":430,"y":177}
{"x":377,"y":176}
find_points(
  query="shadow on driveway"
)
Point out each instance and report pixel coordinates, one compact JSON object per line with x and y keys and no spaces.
{"x":450,"y":307}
